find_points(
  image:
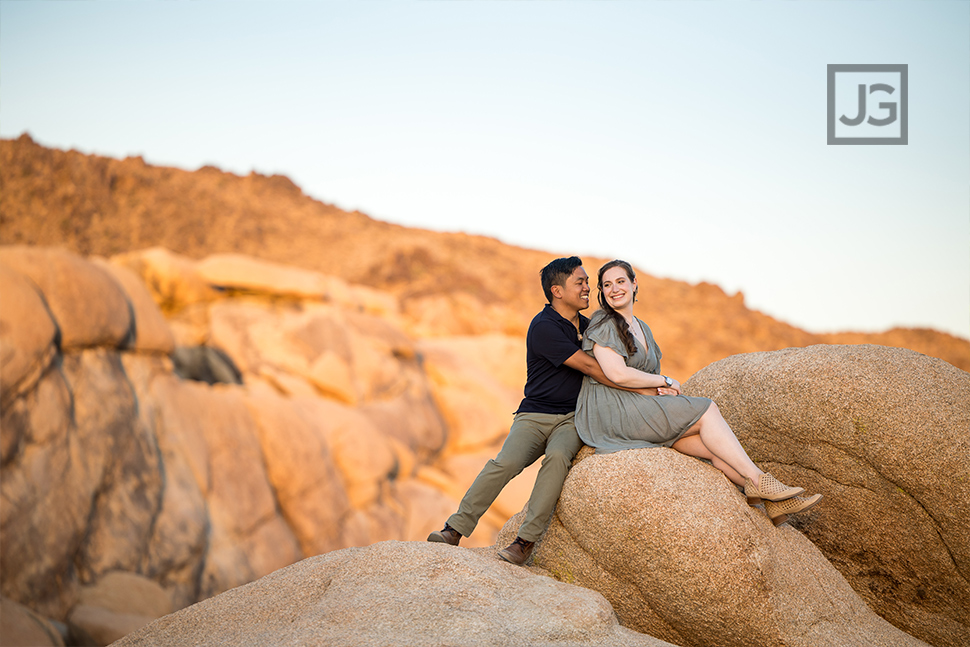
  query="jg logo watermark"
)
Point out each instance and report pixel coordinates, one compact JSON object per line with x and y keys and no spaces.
{"x":867,"y":104}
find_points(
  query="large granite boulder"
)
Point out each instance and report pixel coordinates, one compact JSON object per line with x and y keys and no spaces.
{"x":21,"y":627}
{"x":397,"y":593}
{"x":476,"y":406}
{"x":301,"y":467}
{"x":171,"y":279}
{"x":675,"y":548}
{"x":211,"y":426}
{"x":115,"y":461}
{"x":80,"y":490}
{"x":323,"y":351}
{"x":884,"y":433}
{"x":175,"y":555}
{"x":119,"y":603}
{"x":28,"y":339}
{"x":89,"y":306}
{"x":251,"y":275}
{"x":150,"y":331}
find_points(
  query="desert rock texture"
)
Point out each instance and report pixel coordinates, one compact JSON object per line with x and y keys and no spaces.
{"x":675,"y":548}
{"x":891,"y":456}
{"x":125,"y":454}
{"x":396,"y":593}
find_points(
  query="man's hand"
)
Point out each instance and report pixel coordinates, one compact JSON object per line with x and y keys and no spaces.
{"x":587,"y":365}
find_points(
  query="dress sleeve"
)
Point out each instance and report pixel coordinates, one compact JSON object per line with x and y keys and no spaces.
{"x":603,"y":331}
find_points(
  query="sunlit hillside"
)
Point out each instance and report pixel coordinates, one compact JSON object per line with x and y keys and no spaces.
{"x":448,"y":283}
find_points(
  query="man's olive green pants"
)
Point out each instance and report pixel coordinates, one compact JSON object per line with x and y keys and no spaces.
{"x":531,"y":436}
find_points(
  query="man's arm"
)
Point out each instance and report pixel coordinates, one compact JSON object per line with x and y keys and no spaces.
{"x":587,"y":365}
{"x":615,"y":368}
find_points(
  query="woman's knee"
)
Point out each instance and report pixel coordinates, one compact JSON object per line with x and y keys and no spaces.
{"x":712,"y":414}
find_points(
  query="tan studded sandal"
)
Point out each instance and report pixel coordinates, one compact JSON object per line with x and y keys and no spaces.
{"x":779,"y":511}
{"x":770,"y":489}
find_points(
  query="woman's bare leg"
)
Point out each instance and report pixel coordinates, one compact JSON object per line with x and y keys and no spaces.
{"x":720,"y":442}
{"x":694,"y":446}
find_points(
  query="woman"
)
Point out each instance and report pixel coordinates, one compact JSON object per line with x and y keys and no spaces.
{"x":610,"y":419}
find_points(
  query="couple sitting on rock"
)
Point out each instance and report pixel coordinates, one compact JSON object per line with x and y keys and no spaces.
{"x":597,"y":381}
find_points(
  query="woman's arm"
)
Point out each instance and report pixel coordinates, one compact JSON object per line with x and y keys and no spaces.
{"x":618,"y":372}
{"x":585,"y":364}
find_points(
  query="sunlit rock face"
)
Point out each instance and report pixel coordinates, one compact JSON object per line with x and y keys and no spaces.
{"x":676,"y":550}
{"x":398,"y":593}
{"x":884,"y":434}
{"x":331,"y":430}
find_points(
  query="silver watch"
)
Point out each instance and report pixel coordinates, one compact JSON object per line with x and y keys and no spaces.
{"x":669,"y":382}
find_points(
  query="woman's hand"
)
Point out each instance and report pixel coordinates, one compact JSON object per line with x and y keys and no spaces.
{"x":673,"y":389}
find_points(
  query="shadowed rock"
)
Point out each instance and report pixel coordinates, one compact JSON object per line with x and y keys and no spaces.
{"x":674,"y":547}
{"x":883,"y":433}
{"x":396,"y":593}
{"x":205,"y":364}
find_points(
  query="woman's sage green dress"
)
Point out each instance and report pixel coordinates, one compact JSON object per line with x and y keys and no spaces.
{"x":612,"y":419}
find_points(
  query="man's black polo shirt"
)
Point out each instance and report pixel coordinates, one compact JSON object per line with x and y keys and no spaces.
{"x":551,"y":386}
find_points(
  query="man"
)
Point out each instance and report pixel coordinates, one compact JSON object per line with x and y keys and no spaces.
{"x":543,"y":422}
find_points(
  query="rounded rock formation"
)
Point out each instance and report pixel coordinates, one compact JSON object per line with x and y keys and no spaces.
{"x":397,"y":593}
{"x":883,"y":434}
{"x":676,"y":550}
{"x":87,"y":303}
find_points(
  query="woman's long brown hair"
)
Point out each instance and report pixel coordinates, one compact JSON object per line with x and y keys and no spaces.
{"x":625,"y":333}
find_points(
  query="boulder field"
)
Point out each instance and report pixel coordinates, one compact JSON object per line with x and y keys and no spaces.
{"x":335,"y":428}
{"x":219,"y":438}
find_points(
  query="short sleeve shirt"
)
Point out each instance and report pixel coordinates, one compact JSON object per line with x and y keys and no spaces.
{"x":551,"y":386}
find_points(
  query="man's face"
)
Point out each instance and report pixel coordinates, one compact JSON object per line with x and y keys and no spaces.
{"x":575,"y":292}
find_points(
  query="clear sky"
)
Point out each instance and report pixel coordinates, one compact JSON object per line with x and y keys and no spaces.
{"x":686,"y":137}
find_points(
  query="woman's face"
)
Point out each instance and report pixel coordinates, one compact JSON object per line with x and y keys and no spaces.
{"x":618,"y":288}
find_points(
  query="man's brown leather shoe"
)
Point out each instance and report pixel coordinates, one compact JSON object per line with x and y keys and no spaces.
{"x":447,"y":535}
{"x":518,"y":552}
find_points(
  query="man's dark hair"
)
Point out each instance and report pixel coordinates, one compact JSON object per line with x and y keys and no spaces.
{"x":556,"y":273}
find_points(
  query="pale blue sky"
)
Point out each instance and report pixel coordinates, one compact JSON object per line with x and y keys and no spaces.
{"x":686,"y":137}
